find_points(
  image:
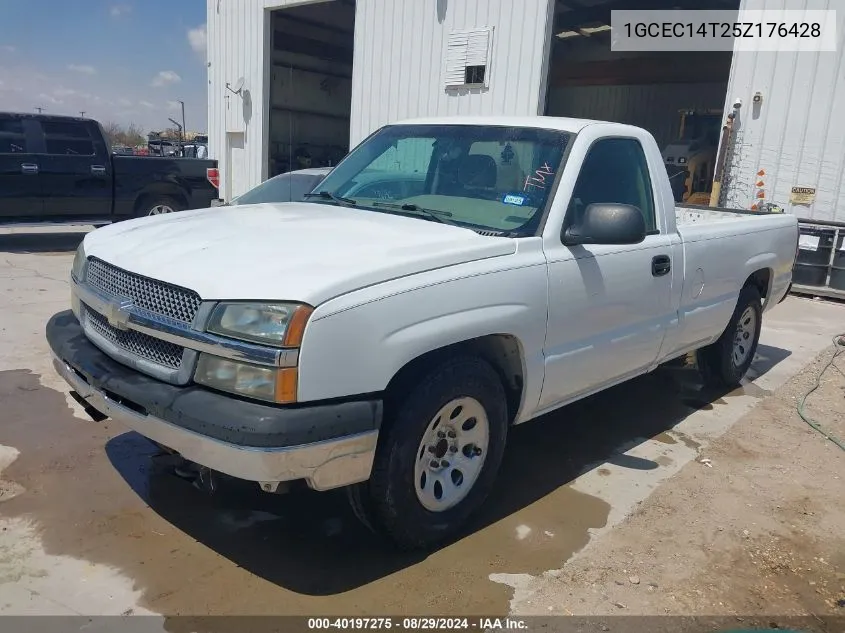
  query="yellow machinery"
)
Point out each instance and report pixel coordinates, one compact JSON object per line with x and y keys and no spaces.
{"x":691,"y":160}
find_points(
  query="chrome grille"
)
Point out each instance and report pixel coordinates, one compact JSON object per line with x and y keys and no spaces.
{"x":152,"y":349}
{"x":156,"y":296}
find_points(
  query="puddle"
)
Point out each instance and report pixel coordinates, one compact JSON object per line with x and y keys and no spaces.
{"x":95,"y":494}
{"x":750,"y":389}
{"x":687,"y":441}
{"x":664,"y":438}
{"x":665,"y":460}
{"x":673,"y":437}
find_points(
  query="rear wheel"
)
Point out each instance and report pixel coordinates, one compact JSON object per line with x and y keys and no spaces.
{"x":725,"y":362}
{"x":439,"y":458}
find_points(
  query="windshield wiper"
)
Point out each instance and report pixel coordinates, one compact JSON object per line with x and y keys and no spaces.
{"x":434,"y":214}
{"x":327,"y":195}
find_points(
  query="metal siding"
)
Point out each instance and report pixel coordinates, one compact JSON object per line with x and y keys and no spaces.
{"x":400,"y":51}
{"x":798,"y":134}
{"x":653,"y":107}
{"x":239,"y":46}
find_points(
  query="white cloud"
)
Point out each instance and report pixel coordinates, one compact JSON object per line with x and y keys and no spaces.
{"x":165,"y":78}
{"x":81,"y":68}
{"x":147,"y":104}
{"x":8,"y":48}
{"x":124,"y":103}
{"x":173,"y":105}
{"x":50,"y":99}
{"x":119,"y":9}
{"x":69,"y":92}
{"x":198,"y":39}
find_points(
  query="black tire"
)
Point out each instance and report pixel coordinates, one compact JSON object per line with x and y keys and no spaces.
{"x":716,"y":361}
{"x":149,"y":203}
{"x":388,"y":502}
{"x":362,"y":505}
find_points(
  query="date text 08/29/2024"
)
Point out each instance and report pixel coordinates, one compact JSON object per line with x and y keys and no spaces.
{"x":417,"y":623}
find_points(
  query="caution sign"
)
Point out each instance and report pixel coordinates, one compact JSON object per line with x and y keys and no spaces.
{"x":802,"y":195}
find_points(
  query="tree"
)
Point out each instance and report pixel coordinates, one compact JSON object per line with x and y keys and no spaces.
{"x":129,"y":135}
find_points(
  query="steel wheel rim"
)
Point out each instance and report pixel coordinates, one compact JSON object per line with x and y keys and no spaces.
{"x":160,"y":208}
{"x":451,"y":454}
{"x":746,"y":328}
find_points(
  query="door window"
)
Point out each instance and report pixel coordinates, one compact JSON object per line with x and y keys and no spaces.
{"x":12,"y":136}
{"x":614,"y":171}
{"x":67,"y":138}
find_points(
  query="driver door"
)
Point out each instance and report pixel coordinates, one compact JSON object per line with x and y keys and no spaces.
{"x":609,"y":305}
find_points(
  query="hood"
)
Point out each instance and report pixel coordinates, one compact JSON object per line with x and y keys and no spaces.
{"x":291,"y":251}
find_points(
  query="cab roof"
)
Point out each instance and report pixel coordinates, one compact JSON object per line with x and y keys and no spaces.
{"x":564,"y":124}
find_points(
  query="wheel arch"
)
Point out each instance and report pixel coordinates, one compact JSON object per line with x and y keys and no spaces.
{"x":760,"y":271}
{"x":762,"y":279}
{"x":159,"y":191}
{"x":504,"y":352}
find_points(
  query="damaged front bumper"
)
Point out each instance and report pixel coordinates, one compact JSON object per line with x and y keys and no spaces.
{"x":328,"y":445}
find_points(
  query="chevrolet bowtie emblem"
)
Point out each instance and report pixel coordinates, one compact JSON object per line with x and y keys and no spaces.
{"x":117,"y":313}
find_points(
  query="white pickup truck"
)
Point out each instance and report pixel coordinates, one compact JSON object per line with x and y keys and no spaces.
{"x":387,"y":343}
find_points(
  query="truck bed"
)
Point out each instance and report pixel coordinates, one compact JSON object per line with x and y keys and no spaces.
{"x":686,"y":214}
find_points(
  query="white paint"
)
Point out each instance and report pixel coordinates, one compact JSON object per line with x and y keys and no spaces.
{"x":797,"y":133}
{"x":522,"y":532}
{"x":214,"y":252}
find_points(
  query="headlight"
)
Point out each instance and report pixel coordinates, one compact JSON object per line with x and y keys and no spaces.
{"x":276,"y":324}
{"x":253,"y":381}
{"x":79,"y":264}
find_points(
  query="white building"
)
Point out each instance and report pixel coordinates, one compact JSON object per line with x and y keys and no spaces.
{"x":319,"y":76}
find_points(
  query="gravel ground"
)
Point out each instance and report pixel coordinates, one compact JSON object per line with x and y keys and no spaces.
{"x":754,"y":527}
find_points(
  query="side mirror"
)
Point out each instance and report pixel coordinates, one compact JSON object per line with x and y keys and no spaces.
{"x":607,"y":223}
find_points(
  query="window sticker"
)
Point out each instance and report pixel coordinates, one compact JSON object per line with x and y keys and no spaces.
{"x":517,"y":199}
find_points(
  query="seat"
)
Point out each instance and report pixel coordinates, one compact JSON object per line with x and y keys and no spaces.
{"x":477,"y":171}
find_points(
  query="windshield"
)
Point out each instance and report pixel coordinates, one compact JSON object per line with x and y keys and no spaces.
{"x":289,"y":187}
{"x":481,"y":177}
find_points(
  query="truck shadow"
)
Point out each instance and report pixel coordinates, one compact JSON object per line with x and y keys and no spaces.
{"x":310,"y":542}
{"x":58,"y":242}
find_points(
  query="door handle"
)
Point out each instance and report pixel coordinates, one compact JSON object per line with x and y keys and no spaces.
{"x":29,"y":168}
{"x":98,"y":170}
{"x":660,"y":265}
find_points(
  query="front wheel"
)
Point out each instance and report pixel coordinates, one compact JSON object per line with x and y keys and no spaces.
{"x":439,"y":459}
{"x":725,"y":362}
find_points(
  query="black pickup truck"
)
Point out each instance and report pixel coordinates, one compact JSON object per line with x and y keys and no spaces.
{"x":60,"y":170}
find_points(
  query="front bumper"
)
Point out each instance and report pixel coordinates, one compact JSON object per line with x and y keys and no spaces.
{"x":327,"y":445}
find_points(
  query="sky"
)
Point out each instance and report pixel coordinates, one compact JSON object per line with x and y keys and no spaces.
{"x":123,"y":61}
